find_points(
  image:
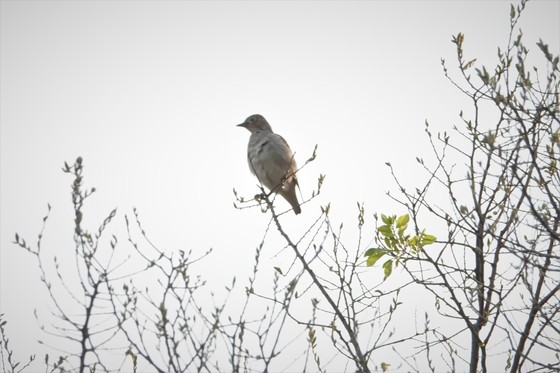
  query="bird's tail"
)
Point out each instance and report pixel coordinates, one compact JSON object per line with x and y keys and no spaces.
{"x":289,"y":194}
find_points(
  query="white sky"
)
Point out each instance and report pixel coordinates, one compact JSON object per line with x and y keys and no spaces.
{"x":149,"y":93}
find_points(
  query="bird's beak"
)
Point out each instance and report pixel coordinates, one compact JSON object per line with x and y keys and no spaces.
{"x":242,"y":125}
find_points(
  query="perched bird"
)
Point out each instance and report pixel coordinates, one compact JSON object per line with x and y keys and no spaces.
{"x":271,"y":160}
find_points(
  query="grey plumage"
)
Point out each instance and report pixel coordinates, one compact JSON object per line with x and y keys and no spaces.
{"x":271,"y":160}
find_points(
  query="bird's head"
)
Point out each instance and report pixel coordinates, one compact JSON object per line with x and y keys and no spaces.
{"x":255,"y":123}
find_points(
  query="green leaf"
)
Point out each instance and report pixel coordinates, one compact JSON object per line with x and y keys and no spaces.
{"x":386,"y":219}
{"x":279,"y":270}
{"x":428,"y":239}
{"x":401,"y":231}
{"x":389,"y":243}
{"x":403,"y":220}
{"x":387,"y":268}
{"x":386,"y":230}
{"x":373,"y":256}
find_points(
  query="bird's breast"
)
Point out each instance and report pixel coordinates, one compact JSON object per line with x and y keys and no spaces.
{"x":257,"y":153}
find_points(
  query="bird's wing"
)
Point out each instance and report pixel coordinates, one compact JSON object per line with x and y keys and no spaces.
{"x":279,"y":161}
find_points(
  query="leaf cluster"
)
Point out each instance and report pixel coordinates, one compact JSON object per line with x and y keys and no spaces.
{"x":396,"y":243}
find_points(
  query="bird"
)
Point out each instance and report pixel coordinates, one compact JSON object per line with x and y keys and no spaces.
{"x":271,"y":160}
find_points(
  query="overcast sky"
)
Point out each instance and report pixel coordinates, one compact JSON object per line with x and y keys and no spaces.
{"x":149,"y":93}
